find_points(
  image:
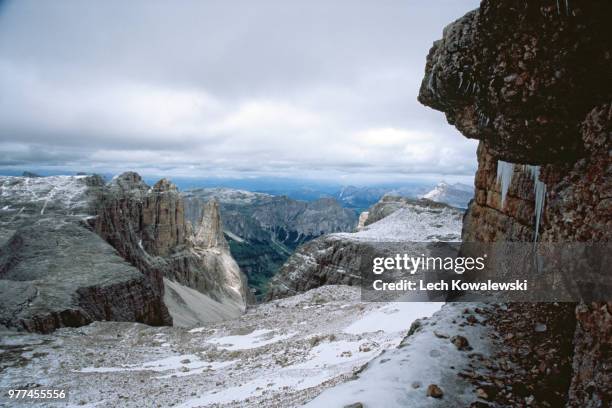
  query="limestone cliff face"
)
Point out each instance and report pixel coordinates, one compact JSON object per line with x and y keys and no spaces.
{"x":163,"y":214}
{"x":148,"y":227}
{"x":531,"y":81}
{"x":223,"y":274}
{"x":210,"y":231}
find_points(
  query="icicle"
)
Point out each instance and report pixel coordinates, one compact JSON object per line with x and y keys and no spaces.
{"x":539,"y":189}
{"x":505,"y":171}
{"x":460,"y":80}
{"x":558,"y":8}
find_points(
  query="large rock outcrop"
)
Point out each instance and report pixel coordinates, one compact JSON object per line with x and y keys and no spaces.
{"x":147,"y":225}
{"x":394,"y":225}
{"x":532,"y":82}
{"x":61,"y":274}
{"x":54,"y":270}
{"x":522,"y":76}
{"x":76,"y":249}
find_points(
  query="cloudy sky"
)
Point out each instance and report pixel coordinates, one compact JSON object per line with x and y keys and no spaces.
{"x":314,"y":89}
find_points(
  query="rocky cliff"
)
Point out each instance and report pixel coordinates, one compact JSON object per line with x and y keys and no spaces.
{"x":531,"y":81}
{"x":264,"y":230}
{"x":75,"y":249}
{"x":54,"y":270}
{"x":147,"y":226}
{"x":391,"y":227}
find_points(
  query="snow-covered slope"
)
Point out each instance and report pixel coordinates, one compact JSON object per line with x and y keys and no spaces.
{"x":400,"y":376}
{"x":341,"y":258}
{"x":413,"y":223}
{"x":457,"y":195}
{"x":67,"y":194}
{"x":279,"y":354}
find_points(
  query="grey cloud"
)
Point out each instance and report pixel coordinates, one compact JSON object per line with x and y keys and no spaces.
{"x":228,"y":87}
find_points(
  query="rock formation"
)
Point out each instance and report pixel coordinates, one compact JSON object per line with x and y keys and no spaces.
{"x":215,"y":273}
{"x":210,"y":231}
{"x":531,"y":81}
{"x":54,"y":270}
{"x":264,"y":230}
{"x":394,"y":225}
{"x":57,"y":270}
{"x":148,"y":227}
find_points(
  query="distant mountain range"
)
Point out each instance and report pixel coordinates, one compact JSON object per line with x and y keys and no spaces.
{"x":361,"y":198}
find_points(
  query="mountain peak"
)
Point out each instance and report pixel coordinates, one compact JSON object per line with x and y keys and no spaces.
{"x":457,"y":195}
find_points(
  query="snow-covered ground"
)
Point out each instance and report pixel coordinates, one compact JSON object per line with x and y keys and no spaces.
{"x":282,"y":353}
{"x":226,"y":195}
{"x":413,"y":223}
{"x":399,"y":377}
{"x":65,"y":193}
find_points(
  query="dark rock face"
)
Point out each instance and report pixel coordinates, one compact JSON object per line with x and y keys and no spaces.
{"x":531,"y":81}
{"x":591,"y":386}
{"x":521,"y":76}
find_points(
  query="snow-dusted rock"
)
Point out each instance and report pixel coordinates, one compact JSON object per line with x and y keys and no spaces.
{"x":402,"y":226}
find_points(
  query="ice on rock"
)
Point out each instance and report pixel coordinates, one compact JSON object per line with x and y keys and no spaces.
{"x":505,"y":171}
{"x":539,"y":189}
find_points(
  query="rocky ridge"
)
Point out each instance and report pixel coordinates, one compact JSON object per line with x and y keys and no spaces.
{"x":458,"y":195}
{"x":57,"y":268}
{"x":148,"y":226}
{"x":55,"y":271}
{"x":392,"y":226}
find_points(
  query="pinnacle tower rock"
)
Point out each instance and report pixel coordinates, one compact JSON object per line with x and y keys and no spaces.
{"x":163,"y":212}
{"x":210,"y":232}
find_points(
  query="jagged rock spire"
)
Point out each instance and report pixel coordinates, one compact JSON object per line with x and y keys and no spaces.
{"x":210,"y":232}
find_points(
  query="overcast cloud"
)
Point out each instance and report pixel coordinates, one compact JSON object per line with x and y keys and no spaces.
{"x":307,"y":89}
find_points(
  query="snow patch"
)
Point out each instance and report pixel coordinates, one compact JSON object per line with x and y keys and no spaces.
{"x":413,"y":223}
{"x":393,"y":317}
{"x":172,"y":363}
{"x":423,"y":358}
{"x":258,"y":338}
